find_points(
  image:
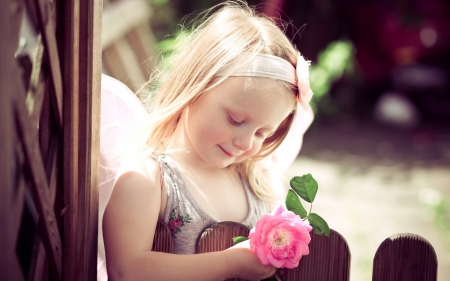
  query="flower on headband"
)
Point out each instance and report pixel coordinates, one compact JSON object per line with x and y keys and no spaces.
{"x":304,"y":90}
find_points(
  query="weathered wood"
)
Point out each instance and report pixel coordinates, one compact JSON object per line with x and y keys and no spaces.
{"x":38,"y":257}
{"x":39,"y":183}
{"x":219,"y":236}
{"x":128,"y":45}
{"x":329,"y":257}
{"x":7,"y":248}
{"x":47,"y":26}
{"x":121,"y":63}
{"x":163,"y":241}
{"x":328,"y":260}
{"x":69,"y":21}
{"x":45,"y":122}
{"x":17,"y":200}
{"x":121,"y":17}
{"x":90,"y":65}
{"x":143,"y":44}
{"x":405,"y":257}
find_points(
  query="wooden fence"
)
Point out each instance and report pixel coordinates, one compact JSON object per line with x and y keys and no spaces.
{"x":402,"y":257}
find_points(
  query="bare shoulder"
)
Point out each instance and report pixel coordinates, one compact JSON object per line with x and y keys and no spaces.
{"x":136,"y":193}
{"x":132,"y":211}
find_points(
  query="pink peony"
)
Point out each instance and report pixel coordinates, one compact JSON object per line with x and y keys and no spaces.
{"x":280,"y":238}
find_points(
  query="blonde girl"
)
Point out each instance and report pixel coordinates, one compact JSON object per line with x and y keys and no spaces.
{"x":226,"y":105}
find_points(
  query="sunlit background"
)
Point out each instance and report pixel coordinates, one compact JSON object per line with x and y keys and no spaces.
{"x":380,"y":143}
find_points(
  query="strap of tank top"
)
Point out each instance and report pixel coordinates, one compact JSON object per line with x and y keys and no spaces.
{"x":161,"y":170}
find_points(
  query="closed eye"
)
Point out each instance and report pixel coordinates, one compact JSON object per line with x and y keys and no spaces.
{"x":234,"y":122}
{"x":260,"y":135}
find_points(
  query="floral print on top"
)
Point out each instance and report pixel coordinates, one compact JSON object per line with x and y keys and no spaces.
{"x":177,"y":221}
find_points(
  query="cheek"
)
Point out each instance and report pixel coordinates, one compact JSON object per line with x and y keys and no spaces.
{"x":211,"y":134}
{"x":254,"y":150}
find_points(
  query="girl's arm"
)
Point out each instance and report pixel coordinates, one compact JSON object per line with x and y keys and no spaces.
{"x":129,"y":226}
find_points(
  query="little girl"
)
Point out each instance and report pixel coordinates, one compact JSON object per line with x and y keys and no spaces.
{"x":227,"y":104}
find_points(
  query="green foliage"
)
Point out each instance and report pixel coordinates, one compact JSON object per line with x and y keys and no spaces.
{"x":319,"y":225}
{"x":239,"y":239}
{"x":331,"y":64}
{"x":294,"y":205}
{"x":306,"y":187}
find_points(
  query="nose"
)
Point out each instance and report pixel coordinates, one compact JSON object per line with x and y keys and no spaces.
{"x":244,"y":142}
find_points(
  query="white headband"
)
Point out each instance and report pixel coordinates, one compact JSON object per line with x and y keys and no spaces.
{"x":275,"y":67}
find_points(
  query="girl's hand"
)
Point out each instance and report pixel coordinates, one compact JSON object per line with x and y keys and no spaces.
{"x":244,"y":263}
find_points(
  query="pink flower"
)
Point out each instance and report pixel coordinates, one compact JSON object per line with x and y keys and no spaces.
{"x":280,"y":238}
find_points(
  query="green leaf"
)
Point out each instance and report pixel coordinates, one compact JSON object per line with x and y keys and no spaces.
{"x":305,"y":186}
{"x":293,"y":204}
{"x":239,"y":239}
{"x":319,"y":225}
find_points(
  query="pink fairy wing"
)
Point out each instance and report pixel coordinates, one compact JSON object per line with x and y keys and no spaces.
{"x":289,"y":149}
{"x":120,"y":112}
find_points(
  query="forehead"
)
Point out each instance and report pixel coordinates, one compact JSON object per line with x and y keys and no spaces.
{"x":260,"y":100}
{"x":255,"y":91}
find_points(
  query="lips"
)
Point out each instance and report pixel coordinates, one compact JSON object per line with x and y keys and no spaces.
{"x":226,"y":152}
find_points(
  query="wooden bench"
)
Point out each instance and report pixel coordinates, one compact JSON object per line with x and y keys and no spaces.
{"x":129,"y":52}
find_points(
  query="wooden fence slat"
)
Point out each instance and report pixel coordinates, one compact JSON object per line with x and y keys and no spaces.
{"x":47,"y":27}
{"x":17,"y":207}
{"x":405,"y":257}
{"x":219,"y":237}
{"x":162,"y":241}
{"x":38,"y":257}
{"x":29,"y":136}
{"x":328,"y":260}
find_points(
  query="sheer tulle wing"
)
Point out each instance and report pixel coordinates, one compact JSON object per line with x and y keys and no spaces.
{"x":287,"y":152}
{"x":289,"y":149}
{"x":120,"y":112}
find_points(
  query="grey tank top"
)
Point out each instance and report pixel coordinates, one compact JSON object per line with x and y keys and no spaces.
{"x":184,"y":216}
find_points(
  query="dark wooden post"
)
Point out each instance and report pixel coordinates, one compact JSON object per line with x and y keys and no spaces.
{"x":81,"y":49}
{"x":405,"y":257}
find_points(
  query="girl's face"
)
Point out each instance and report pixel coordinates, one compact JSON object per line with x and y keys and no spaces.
{"x":229,"y":123}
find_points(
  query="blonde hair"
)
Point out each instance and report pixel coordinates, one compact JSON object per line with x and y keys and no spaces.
{"x":232,"y":34}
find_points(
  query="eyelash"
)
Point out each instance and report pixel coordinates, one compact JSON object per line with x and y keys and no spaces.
{"x":259,"y":135}
{"x":236,"y":123}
